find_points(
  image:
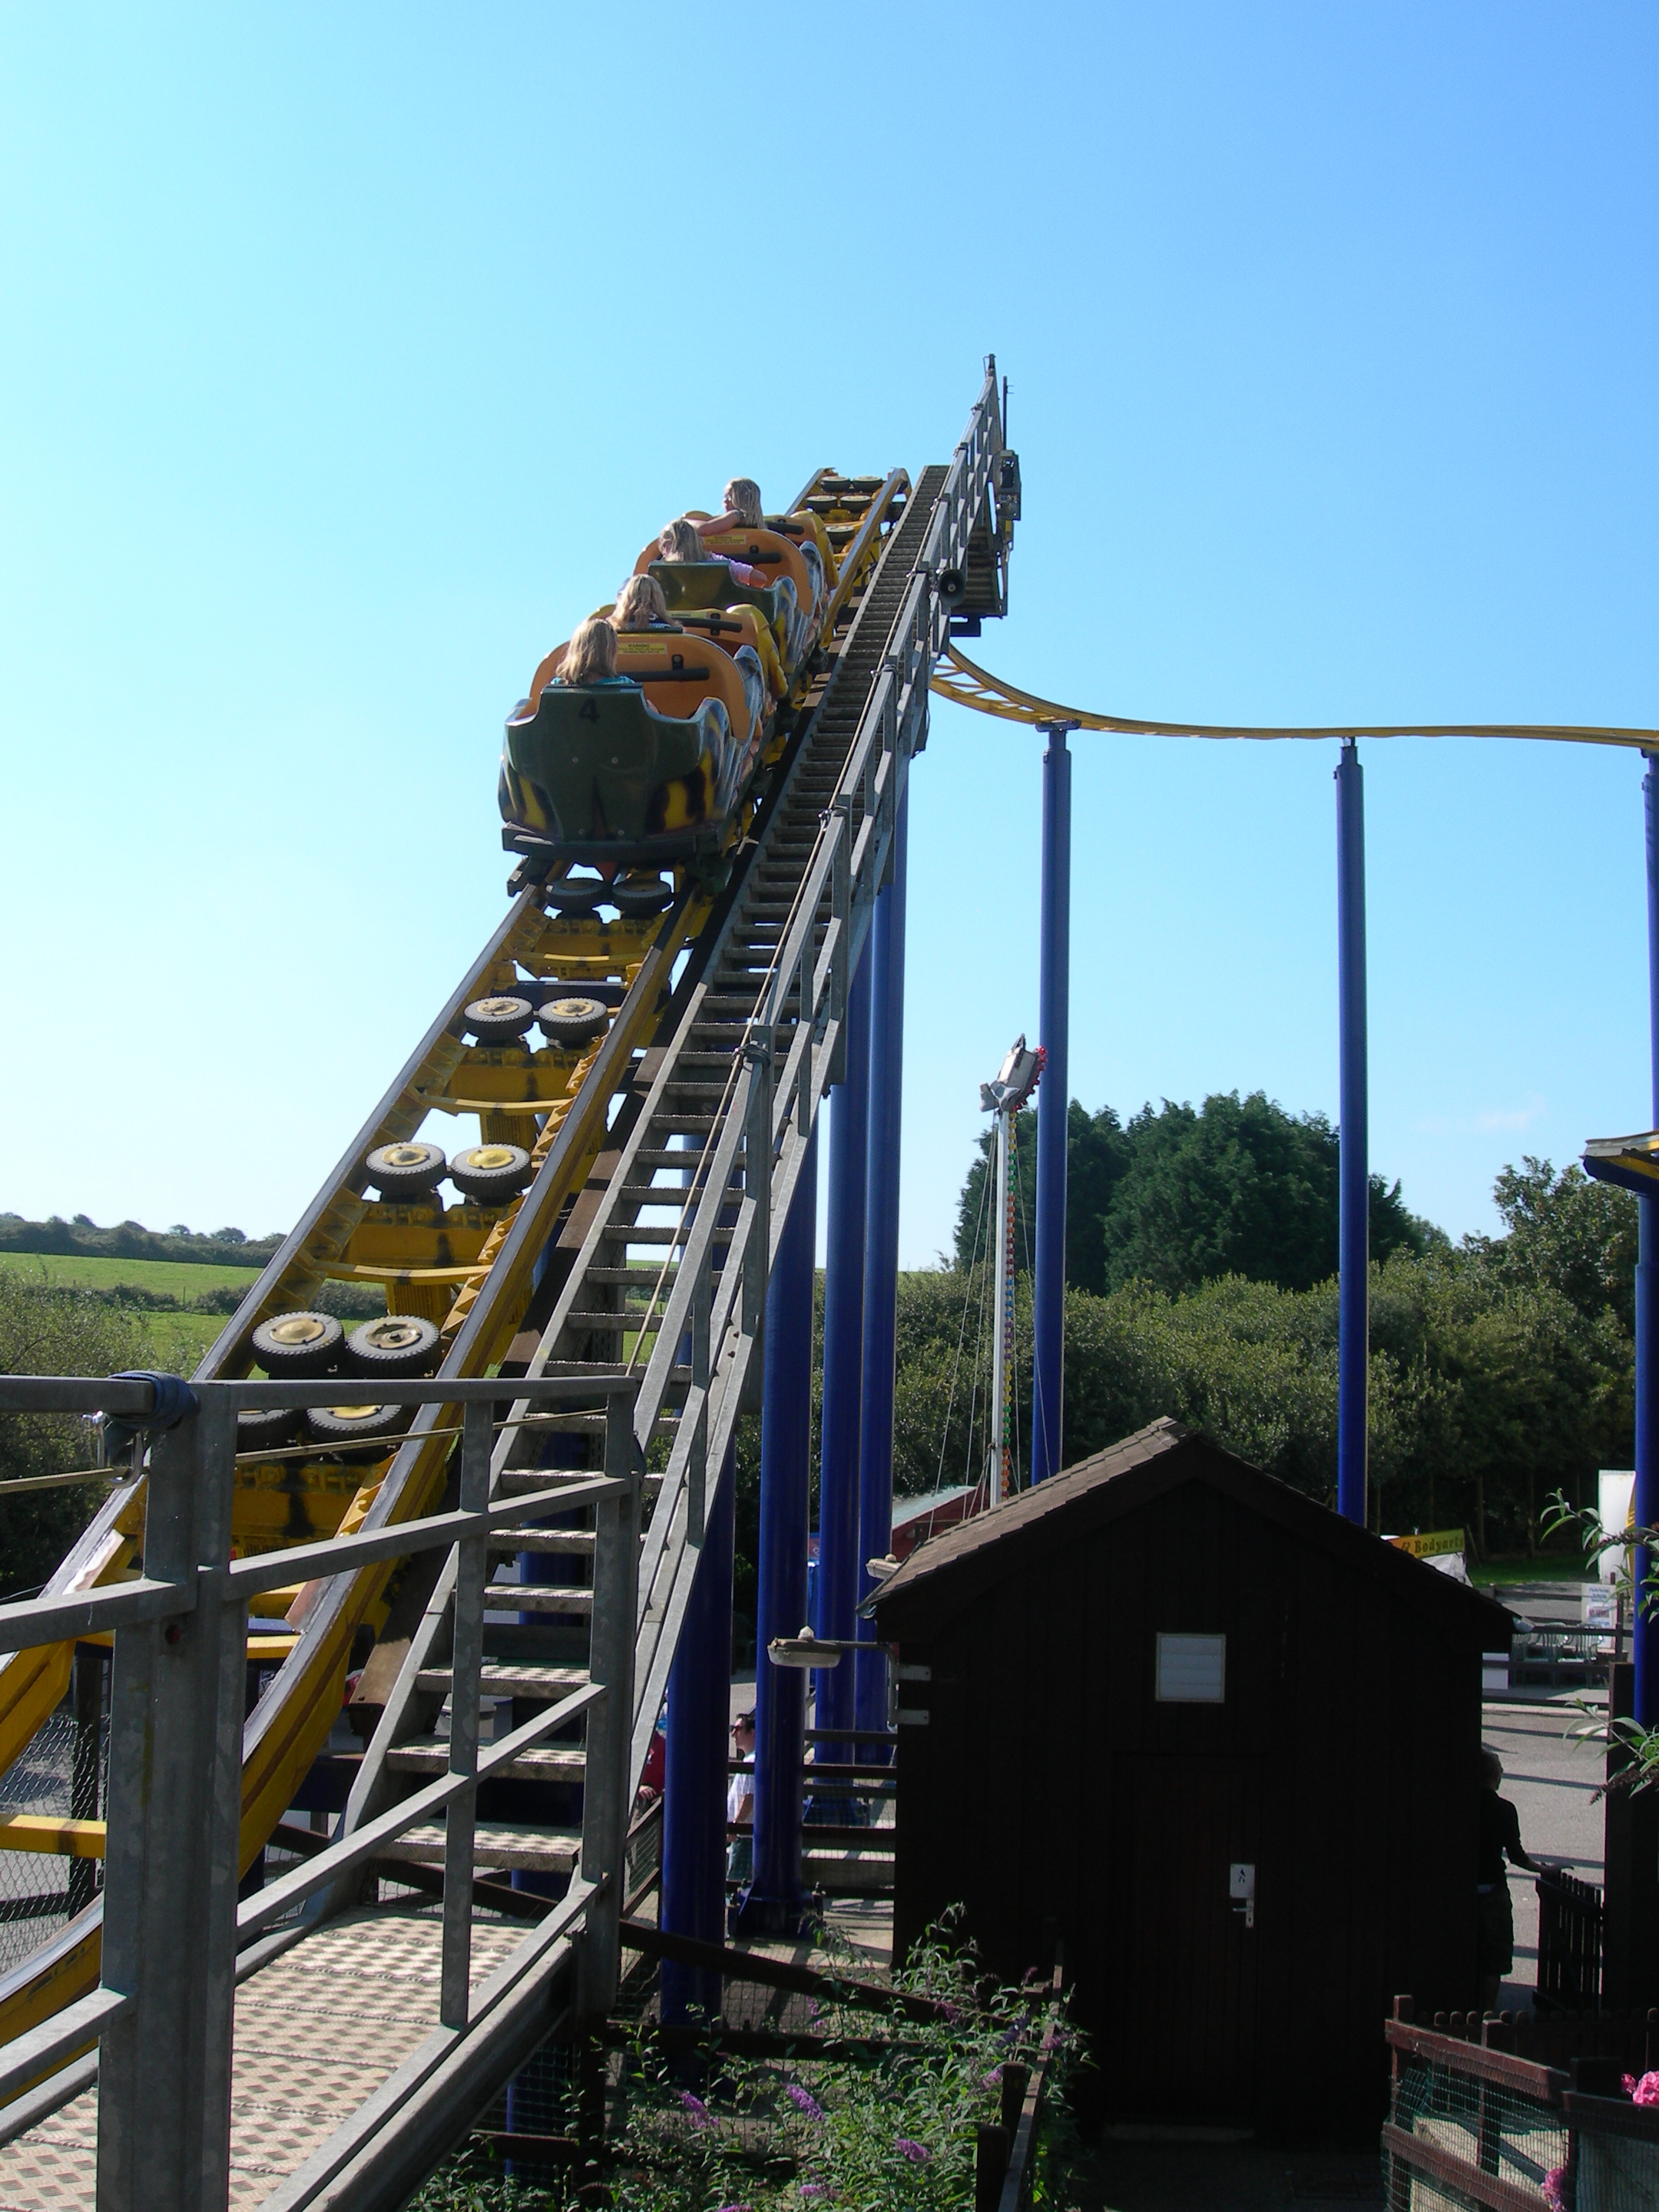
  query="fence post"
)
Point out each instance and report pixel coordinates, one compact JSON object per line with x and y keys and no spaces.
{"x":990,"y":2167}
{"x":174,"y":1809}
{"x":606,"y":1779}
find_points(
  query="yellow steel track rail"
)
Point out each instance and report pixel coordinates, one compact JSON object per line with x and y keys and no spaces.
{"x":966,"y":684}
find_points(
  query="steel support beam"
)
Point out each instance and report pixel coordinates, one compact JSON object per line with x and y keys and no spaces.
{"x":843,"y":1364}
{"x":886,"y":962}
{"x":1353,"y":1353}
{"x":1055,"y":1023}
{"x":694,"y":1788}
{"x":1644,"y":1643}
{"x":773,"y":1901}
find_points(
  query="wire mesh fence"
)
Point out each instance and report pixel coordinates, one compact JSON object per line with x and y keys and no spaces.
{"x":61,"y":1774}
{"x":1474,"y":2128}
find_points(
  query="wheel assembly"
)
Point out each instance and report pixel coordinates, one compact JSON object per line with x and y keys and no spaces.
{"x":570,"y":1022}
{"x":407,"y":1170}
{"x":298,"y":1344}
{"x":499,"y":1020}
{"x":491,"y":1172}
{"x":395,"y":1344}
{"x":268,"y":1429}
{"x":357,"y":1432}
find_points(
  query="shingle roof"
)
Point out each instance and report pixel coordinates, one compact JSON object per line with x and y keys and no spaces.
{"x":954,"y":1567}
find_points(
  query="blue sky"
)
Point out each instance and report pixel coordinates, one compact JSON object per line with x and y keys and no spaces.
{"x":350,"y":354}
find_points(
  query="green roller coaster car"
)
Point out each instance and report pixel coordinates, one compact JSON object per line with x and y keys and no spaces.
{"x":597,"y":776}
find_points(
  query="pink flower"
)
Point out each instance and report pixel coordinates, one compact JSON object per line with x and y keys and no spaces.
{"x":1644,"y":2092}
{"x":907,"y":2147}
{"x":1552,"y":2196}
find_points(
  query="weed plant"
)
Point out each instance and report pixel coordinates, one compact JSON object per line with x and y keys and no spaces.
{"x":888,"y":2124}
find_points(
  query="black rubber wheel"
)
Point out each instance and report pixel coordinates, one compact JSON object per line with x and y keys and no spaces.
{"x":581,"y":896}
{"x":267,"y":1431}
{"x":638,"y":896}
{"x":492,"y":1172}
{"x":394,"y":1344}
{"x":406,"y":1170}
{"x":570,"y":1022}
{"x":298,"y":1344}
{"x":358,"y":1432}
{"x":499,"y":1020}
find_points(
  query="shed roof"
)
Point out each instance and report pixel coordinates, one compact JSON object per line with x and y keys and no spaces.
{"x":954,"y":1568}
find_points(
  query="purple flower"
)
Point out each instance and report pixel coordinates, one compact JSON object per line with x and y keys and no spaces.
{"x":907,"y":2147}
{"x":804,"y":2101}
{"x":992,"y":2079}
{"x":817,"y":2189}
{"x":698,"y":2111}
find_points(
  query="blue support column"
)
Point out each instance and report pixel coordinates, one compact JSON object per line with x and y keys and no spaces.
{"x":1645,"y":1646}
{"x":776,"y":1898}
{"x":694,"y":1788}
{"x":885,"y":958}
{"x":1053,"y":1015}
{"x":843,"y":1365}
{"x":1353,"y":1352}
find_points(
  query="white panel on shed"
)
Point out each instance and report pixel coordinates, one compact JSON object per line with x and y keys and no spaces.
{"x":1192,"y":1670}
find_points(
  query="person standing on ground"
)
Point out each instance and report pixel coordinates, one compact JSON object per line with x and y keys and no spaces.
{"x":740,"y":1801}
{"x":1499,"y":1833}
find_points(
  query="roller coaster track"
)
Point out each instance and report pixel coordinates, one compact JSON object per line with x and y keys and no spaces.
{"x":665,"y":1159}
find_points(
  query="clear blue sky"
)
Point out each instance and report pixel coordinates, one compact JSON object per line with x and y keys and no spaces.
{"x":351,"y":353}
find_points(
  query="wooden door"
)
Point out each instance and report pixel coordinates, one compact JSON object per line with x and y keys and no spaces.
{"x":1180,"y":1996}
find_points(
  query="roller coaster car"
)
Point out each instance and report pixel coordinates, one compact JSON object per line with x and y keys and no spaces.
{"x":702,"y":587}
{"x":635,"y":774}
{"x":732,"y":627}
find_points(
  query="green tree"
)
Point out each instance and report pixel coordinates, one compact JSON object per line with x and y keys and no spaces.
{"x":1240,"y":1188}
{"x":1567,"y":1234}
{"x":1096,"y":1155}
{"x":45,"y":1331}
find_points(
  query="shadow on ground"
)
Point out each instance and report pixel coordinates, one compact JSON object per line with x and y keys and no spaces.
{"x":1178,"y":2176}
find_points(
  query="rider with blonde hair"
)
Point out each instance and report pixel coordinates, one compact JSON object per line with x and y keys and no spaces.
{"x":681,"y":540}
{"x":591,"y":656}
{"x":640,"y":606}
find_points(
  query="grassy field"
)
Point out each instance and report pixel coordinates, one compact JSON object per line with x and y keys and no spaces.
{"x":179,"y":1279}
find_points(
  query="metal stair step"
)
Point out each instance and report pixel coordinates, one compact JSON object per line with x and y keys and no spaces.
{"x":429,"y":1754}
{"x":509,"y":1540}
{"x":510,"y":1678}
{"x":496,"y":1844}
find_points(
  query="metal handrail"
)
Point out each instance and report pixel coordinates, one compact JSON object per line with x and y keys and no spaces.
{"x":162,"y":2014}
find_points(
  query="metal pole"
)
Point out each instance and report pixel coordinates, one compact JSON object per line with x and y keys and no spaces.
{"x":693,"y":1781}
{"x":1054,"y":985}
{"x":1644,"y":1636}
{"x":843,"y":1355}
{"x":881,"y":1264}
{"x":1353,"y":1351}
{"x":996,"y":1468}
{"x":773,"y":1901}
{"x":174,"y":1807}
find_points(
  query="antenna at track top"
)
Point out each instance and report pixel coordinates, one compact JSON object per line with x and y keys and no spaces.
{"x":1013,"y":1084}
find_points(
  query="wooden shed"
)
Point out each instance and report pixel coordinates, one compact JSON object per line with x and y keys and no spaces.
{"x":1222,"y":1742}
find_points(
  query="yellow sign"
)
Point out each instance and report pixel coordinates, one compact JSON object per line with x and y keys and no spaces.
{"x":1434,"y":1546}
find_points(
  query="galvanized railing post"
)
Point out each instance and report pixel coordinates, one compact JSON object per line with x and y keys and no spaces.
{"x":696,"y":1466}
{"x":169,"y":1935}
{"x":461,"y":1817}
{"x":757,"y":1182}
{"x":606,"y":1778}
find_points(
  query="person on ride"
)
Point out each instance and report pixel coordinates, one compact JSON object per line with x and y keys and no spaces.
{"x":742,"y":503}
{"x":641,"y":606}
{"x":681,"y":540}
{"x":591,"y":657}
